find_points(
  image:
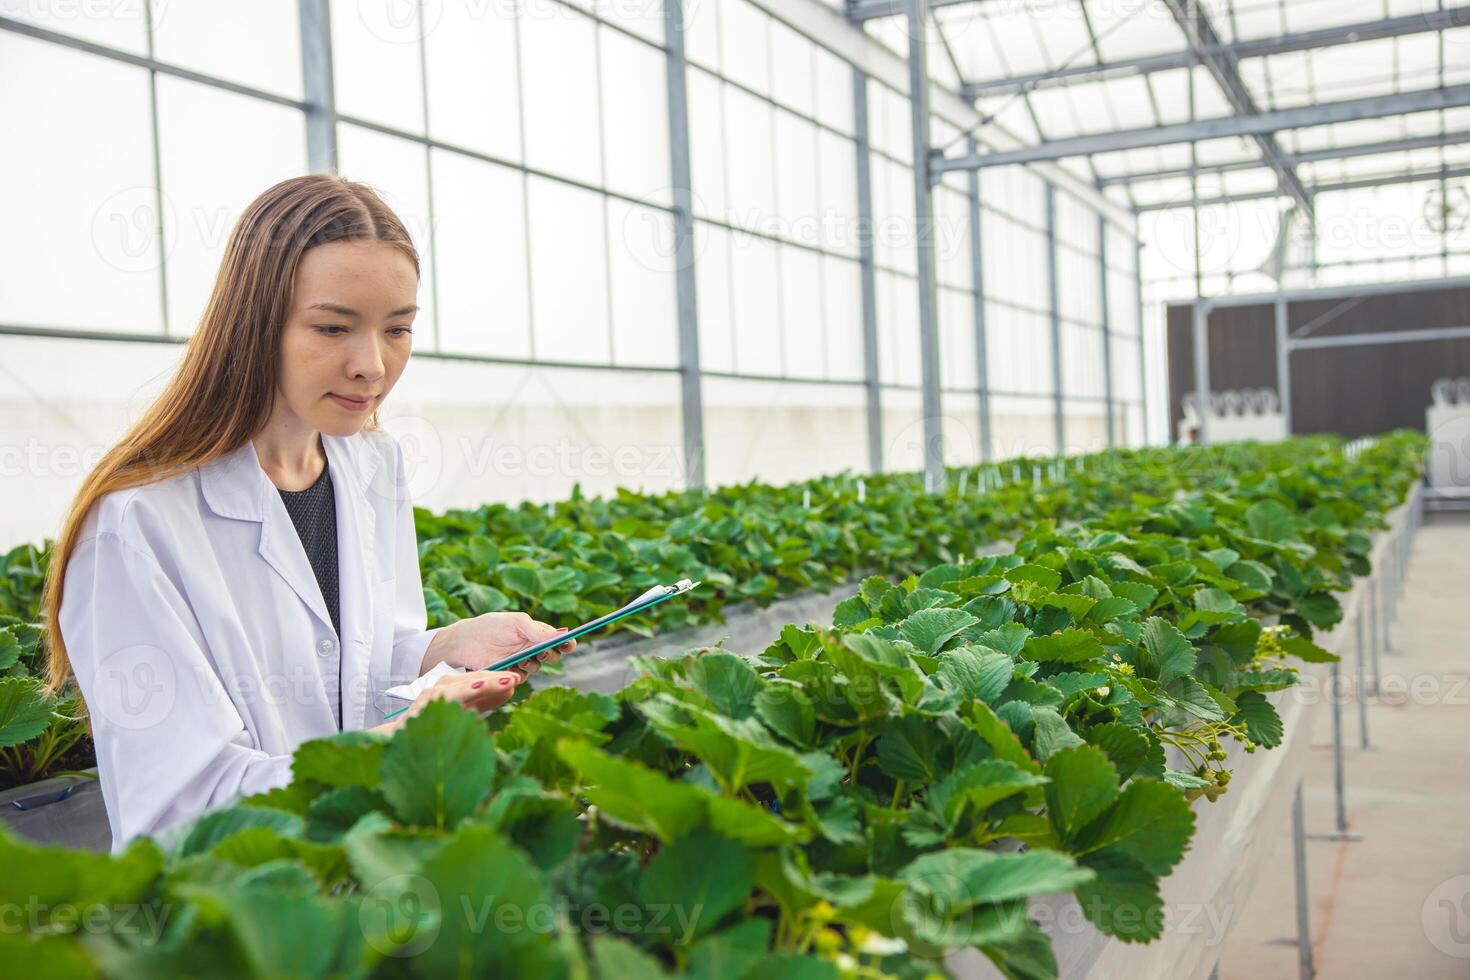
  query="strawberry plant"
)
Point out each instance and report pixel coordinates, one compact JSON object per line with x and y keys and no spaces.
{"x":857,"y":799}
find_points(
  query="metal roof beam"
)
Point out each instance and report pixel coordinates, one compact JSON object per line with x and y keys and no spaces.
{"x":1430,"y":142}
{"x":861,"y":10}
{"x":1422,"y":100}
{"x":1433,"y":20}
{"x":1361,"y":183}
{"x":1225,"y":70}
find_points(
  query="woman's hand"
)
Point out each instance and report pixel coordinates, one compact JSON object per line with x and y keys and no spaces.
{"x":482,"y":690}
{"x":478,"y":642}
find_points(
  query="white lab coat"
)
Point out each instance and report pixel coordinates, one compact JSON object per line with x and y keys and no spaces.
{"x":192,"y":618}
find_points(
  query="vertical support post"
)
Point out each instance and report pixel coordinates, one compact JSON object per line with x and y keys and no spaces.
{"x":918,"y":18}
{"x":1373,"y":629}
{"x":1362,"y":680}
{"x":316,"y":87}
{"x":1382,"y":594}
{"x":977,"y":280}
{"x":691,"y":380}
{"x":1056,"y":317}
{"x":1283,"y":362}
{"x":1142,"y":357}
{"x":1107,"y":339}
{"x":867,"y":271}
{"x":1305,"y":969}
{"x":1338,"y":779}
{"x":1201,"y":337}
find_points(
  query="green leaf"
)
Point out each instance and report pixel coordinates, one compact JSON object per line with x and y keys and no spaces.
{"x":738,"y":751}
{"x":1052,"y":734}
{"x":965,"y":877}
{"x":634,"y":795}
{"x":25,"y":711}
{"x":1151,"y":822}
{"x":975,"y":672}
{"x":908,"y":748}
{"x":787,"y":711}
{"x":1067,"y":646}
{"x":1171,"y":654}
{"x":485,"y":599}
{"x":1126,"y":746}
{"x":1195,"y":698}
{"x":618,"y":959}
{"x":981,"y":785}
{"x":930,"y":629}
{"x":219,"y":825}
{"x":700,"y":878}
{"x":9,"y":649}
{"x":1261,"y":721}
{"x":487,"y":904}
{"x":1123,"y":901}
{"x":1304,"y":649}
{"x":439,"y":766}
{"x":350,"y":758}
{"x":1048,"y":578}
{"x":1083,"y":785}
{"x":1320,"y":609}
{"x":1270,"y":521}
{"x":728,"y":681}
{"x":521,"y":579}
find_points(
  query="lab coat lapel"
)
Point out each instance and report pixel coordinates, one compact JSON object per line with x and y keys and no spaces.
{"x":237,"y":487}
{"x":352,"y":474}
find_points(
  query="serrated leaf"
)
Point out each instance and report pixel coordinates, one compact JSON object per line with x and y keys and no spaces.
{"x":976,"y":672}
{"x":1150,"y":822}
{"x":1067,"y":646}
{"x":930,"y":629}
{"x":25,"y":712}
{"x":439,"y":766}
{"x":1083,"y":785}
{"x":1123,"y":900}
{"x":350,"y":758}
{"x":1261,"y":721}
{"x":1171,"y":655}
{"x":703,"y":874}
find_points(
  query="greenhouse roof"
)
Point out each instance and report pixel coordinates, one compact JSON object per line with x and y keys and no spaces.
{"x":1168,"y":103}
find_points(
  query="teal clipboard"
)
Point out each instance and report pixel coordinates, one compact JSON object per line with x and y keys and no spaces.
{"x":649,"y":599}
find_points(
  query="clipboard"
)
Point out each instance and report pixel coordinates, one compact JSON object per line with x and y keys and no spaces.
{"x":649,"y":599}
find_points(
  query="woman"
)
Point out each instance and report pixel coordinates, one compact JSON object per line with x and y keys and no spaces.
{"x":240,"y":573}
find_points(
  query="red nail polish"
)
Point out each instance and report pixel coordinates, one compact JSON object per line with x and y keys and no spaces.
{"x":477,"y":685}
{"x":506,"y":680}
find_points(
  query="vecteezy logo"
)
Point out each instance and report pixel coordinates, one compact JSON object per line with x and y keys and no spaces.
{"x":401,"y":915}
{"x":136,"y":687}
{"x":1446,"y":917}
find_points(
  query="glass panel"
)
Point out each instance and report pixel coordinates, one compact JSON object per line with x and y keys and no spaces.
{"x":796,"y":180}
{"x":568,"y":272}
{"x":712,"y":293}
{"x":752,"y":182}
{"x":791,"y":69}
{"x":757,"y":310}
{"x":481,"y":245}
{"x":474,"y":98}
{"x":207,"y":190}
{"x":957,"y":339}
{"x":834,"y":91}
{"x":636,"y":118}
{"x":746,"y":47}
{"x":559,"y":64}
{"x":376,"y":69}
{"x":257,"y":44}
{"x":644,"y":305}
{"x":67,"y":220}
{"x":125,"y":24}
{"x":837,"y":166}
{"x":803,"y":333}
{"x":842,"y":296}
{"x":707,"y":145}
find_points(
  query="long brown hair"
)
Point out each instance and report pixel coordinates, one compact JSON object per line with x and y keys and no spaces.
{"x":224,"y":390}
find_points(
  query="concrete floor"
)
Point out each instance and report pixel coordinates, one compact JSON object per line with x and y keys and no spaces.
{"x":1395,"y":904}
